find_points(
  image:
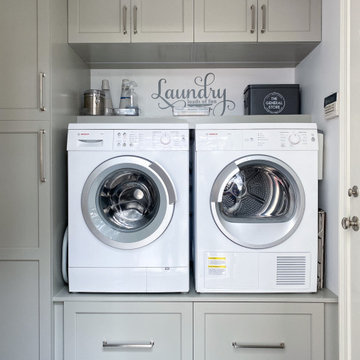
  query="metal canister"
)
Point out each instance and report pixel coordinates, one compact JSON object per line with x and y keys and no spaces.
{"x":94,"y":102}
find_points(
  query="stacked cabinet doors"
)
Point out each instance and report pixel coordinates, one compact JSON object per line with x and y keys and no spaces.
{"x":257,"y":20}
{"x":158,"y":21}
{"x":125,"y":21}
{"x":24,"y":183}
{"x":35,"y":107}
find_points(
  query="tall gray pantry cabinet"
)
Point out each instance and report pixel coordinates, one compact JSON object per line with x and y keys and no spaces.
{"x":40,"y":79}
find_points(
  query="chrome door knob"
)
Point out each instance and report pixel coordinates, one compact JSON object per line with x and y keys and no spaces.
{"x":354,"y":191}
{"x":353,"y":223}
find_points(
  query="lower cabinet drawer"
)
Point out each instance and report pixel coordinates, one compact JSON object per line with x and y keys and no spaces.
{"x":259,"y":331}
{"x":127,"y":331}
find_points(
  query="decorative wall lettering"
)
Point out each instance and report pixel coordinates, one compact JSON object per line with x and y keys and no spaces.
{"x":204,"y":94}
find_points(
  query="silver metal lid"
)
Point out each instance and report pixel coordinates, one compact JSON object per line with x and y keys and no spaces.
{"x":93,"y":92}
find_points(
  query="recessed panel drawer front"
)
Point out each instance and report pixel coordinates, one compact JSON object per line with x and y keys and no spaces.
{"x":128,"y":331}
{"x":259,"y":331}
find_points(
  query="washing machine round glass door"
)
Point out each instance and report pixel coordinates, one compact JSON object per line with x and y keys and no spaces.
{"x":128,"y":202}
{"x":257,"y":201}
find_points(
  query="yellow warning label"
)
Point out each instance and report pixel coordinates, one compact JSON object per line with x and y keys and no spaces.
{"x":216,"y":265}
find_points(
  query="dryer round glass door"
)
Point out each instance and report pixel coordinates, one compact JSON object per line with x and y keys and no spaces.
{"x":128,"y":202}
{"x":257,"y":201}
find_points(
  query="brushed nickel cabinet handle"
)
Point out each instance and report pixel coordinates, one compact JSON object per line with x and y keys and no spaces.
{"x":263,"y":28}
{"x":258,"y":346}
{"x":148,"y":345}
{"x":252,"y":8}
{"x":41,"y":91}
{"x":42,"y":134}
{"x":135,"y":19}
{"x":124,"y":13}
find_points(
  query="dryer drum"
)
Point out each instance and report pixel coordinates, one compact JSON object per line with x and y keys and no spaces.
{"x":257,"y":191}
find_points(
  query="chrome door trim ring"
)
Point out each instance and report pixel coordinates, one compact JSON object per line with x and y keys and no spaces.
{"x":161,"y":179}
{"x":221,"y":181}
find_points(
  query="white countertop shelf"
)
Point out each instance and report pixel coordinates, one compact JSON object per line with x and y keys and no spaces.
{"x":193,"y":120}
{"x":322,"y":296}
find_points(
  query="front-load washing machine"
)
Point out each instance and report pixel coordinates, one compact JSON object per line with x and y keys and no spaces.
{"x":128,"y":207}
{"x":256,"y":207}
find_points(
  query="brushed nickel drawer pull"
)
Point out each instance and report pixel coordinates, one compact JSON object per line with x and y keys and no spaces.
{"x":263,"y":28}
{"x":124,"y":20}
{"x":252,"y":8}
{"x":135,"y":19}
{"x":41,"y":91}
{"x":148,"y":345}
{"x":42,"y":155}
{"x":258,"y":346}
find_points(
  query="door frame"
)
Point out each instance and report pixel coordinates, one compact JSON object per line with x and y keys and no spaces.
{"x":344,"y":179}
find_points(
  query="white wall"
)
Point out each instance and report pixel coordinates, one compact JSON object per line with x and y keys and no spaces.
{"x":318,"y":76}
{"x":231,"y":82}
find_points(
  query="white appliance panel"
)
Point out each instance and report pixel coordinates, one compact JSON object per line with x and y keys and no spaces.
{"x":268,"y":269}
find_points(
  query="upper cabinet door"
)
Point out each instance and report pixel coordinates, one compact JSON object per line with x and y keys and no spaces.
{"x":94,"y":21}
{"x":289,"y":20}
{"x":24,"y":43}
{"x":225,"y":21}
{"x":162,"y":21}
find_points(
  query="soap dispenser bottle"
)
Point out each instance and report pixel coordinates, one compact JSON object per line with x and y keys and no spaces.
{"x":128,"y":99}
{"x":133,"y":98}
{"x":125,"y":95}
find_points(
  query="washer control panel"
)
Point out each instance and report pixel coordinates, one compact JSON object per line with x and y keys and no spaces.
{"x":259,"y":139}
{"x":128,"y":140}
{"x":151,"y":139}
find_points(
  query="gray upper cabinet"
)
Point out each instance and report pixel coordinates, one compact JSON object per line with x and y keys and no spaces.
{"x":257,"y":20}
{"x":289,"y":20}
{"x":24,"y":43}
{"x":94,"y":21}
{"x":222,"y":21}
{"x":124,"y":21}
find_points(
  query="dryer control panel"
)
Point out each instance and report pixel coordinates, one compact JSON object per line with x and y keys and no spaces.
{"x":257,"y":139}
{"x":127,"y":140}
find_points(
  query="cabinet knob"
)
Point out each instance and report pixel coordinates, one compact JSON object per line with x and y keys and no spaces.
{"x":348,"y":223}
{"x":354,"y":191}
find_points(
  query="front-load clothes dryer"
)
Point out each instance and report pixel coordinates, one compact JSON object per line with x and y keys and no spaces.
{"x":128,"y":207}
{"x":256,"y":207}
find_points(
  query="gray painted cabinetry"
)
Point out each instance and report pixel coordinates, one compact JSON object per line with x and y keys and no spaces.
{"x":196,"y":326}
{"x":133,"y":21}
{"x":38,"y":71}
{"x":24,"y":44}
{"x":150,"y":21}
{"x":257,"y":20}
{"x":258,"y":331}
{"x":154,"y":331}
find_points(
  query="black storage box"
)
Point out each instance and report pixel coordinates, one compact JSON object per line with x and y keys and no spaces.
{"x":272,"y":99}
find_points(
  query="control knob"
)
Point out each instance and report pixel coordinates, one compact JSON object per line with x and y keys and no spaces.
{"x":294,"y":139}
{"x":165,"y":139}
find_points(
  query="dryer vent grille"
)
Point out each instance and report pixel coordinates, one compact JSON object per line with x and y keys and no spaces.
{"x":291,"y":270}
